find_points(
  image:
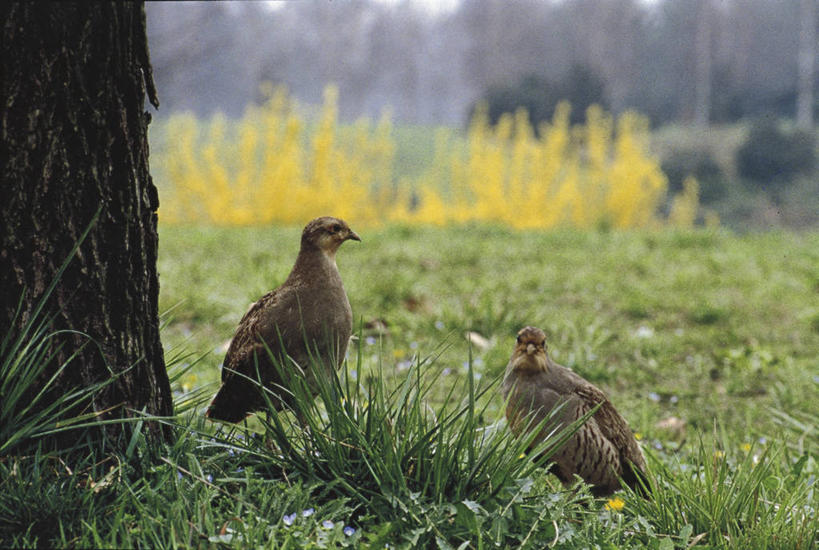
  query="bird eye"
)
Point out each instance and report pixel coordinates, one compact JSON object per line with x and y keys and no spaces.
{"x":335,"y":229}
{"x":518,"y":339}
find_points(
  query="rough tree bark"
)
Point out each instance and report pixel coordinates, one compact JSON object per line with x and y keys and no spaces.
{"x":73,"y":140}
{"x":806,"y":61}
{"x":702,"y":64}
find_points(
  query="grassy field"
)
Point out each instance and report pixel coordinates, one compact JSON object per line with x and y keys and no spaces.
{"x":705,"y":341}
{"x":715,"y":330}
{"x":702,"y":325}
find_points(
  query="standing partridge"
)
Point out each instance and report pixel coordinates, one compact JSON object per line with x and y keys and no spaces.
{"x":306,"y":320}
{"x":603,"y":450}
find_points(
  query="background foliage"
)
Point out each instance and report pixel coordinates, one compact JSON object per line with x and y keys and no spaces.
{"x":277,"y":165}
{"x":430,"y":65}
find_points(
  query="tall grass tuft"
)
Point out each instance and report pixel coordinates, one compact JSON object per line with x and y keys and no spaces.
{"x":390,"y":454}
{"x":30,"y":407}
{"x":755,"y":500}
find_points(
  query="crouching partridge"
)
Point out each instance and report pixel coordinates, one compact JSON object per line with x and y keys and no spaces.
{"x":307,"y":319}
{"x":603,"y":450}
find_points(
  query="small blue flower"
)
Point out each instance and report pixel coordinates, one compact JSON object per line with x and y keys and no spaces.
{"x":288,"y":520}
{"x":369,"y":340}
{"x":674,"y":399}
{"x":658,"y":446}
{"x":307,"y":513}
{"x":477,"y":362}
{"x":231,"y":453}
{"x":239,"y":470}
{"x":327,"y":524}
{"x":762,"y":440}
{"x":439,"y":325}
{"x":654,"y":396}
{"x":178,"y":474}
{"x":354,"y":374}
{"x":209,"y":477}
{"x":816,"y":379}
{"x":446,"y":371}
{"x":413,"y":345}
{"x":349,"y":531}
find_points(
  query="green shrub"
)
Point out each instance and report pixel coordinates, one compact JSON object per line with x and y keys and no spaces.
{"x":773,"y":157}
{"x":700,"y":164}
{"x":581,"y":87}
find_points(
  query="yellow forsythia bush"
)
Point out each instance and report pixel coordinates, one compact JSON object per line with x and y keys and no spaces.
{"x":272,"y":166}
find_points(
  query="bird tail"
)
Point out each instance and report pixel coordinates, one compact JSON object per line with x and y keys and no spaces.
{"x":227,"y":405}
{"x":637,"y":479}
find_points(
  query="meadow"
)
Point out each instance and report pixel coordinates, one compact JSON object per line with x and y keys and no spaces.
{"x":703,"y":325}
{"x":705,"y":341}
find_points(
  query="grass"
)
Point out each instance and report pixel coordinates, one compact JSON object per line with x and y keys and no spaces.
{"x":700,"y":325}
{"x":408,"y":447}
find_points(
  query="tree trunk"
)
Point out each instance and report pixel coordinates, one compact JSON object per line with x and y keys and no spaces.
{"x":806,"y":61}
{"x":702,"y":67}
{"x":73,"y":137}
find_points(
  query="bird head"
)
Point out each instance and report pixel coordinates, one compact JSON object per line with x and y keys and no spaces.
{"x":327,"y":234}
{"x":530,"y":350}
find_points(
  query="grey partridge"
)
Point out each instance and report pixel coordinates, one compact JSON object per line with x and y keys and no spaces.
{"x":603,"y":450}
{"x":306,"y":320}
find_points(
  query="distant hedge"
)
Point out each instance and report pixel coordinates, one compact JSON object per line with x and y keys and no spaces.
{"x":699,"y":163}
{"x":580,"y":86}
{"x":773,"y":157}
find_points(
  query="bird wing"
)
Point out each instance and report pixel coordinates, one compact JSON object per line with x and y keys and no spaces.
{"x":530,"y":400}
{"x":612,"y":425}
{"x":257,"y":326}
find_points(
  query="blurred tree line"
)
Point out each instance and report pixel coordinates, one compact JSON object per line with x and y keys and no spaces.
{"x":696,"y":61}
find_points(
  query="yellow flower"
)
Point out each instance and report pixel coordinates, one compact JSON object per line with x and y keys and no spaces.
{"x":719,"y":455}
{"x":615,"y":504}
{"x":522,"y":455}
{"x":242,"y":172}
{"x":638,"y":436}
{"x":745,"y":447}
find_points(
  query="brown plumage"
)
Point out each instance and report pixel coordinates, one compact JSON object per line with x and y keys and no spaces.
{"x":602,"y":450}
{"x":309,"y":317}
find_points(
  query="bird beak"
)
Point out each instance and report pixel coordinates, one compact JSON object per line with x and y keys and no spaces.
{"x":354,"y":236}
{"x":530,"y":349}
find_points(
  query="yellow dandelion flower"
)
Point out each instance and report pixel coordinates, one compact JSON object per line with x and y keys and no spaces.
{"x":638,"y":436}
{"x":522,"y":455}
{"x":397,"y":353}
{"x":615,"y":504}
{"x":719,"y":455}
{"x":745,"y":447}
